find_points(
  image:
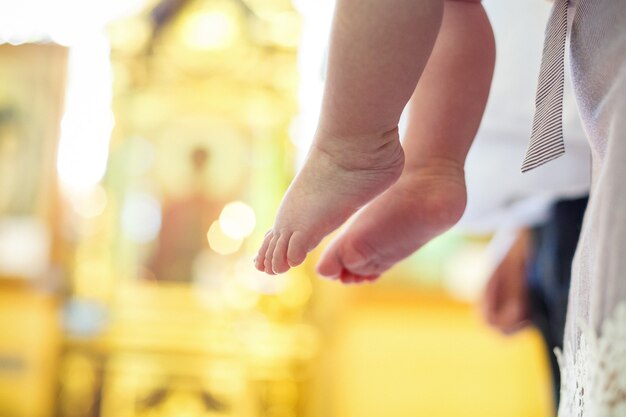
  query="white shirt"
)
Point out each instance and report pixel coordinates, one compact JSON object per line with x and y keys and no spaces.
{"x":499,"y":195}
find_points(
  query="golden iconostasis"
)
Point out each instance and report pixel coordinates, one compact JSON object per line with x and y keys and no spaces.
{"x":140,"y":165}
{"x":203,"y":96}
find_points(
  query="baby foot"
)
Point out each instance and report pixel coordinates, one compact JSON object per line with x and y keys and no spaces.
{"x":340,"y":176}
{"x":425,"y":202}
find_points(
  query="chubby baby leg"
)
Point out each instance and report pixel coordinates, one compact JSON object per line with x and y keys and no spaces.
{"x":444,"y":115}
{"x":377,"y":54}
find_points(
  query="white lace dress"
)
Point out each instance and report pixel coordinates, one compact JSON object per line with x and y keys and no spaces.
{"x":593,"y":362}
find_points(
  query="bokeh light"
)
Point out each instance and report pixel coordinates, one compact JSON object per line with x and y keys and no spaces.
{"x":90,"y":202}
{"x":88,"y":120}
{"x":141,"y":217}
{"x":210,"y":29}
{"x":237,"y":220}
{"x":24,"y":247}
{"x":220,"y":242}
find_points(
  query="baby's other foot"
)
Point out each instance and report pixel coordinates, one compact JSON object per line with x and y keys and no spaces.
{"x":425,"y":202}
{"x":339,"y":176}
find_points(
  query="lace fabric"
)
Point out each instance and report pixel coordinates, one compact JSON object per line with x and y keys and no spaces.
{"x":594,"y":373}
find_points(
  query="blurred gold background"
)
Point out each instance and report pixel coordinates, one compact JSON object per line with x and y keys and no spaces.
{"x":144,"y":147}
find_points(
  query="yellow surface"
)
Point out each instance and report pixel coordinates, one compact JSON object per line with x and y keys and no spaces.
{"x":29,"y":343}
{"x":401,"y":356}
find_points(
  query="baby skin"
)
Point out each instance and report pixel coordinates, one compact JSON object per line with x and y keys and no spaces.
{"x":356,"y":157}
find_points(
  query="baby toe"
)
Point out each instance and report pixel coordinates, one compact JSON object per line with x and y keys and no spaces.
{"x":259,"y":260}
{"x":269,"y":255}
{"x":348,"y":277}
{"x":371,"y":278}
{"x":279,"y":260}
{"x":329,"y":265}
{"x":297,"y":249}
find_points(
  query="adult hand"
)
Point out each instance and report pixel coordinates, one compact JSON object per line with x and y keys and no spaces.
{"x":505,"y":302}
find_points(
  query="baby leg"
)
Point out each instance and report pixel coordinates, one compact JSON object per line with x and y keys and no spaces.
{"x":444,"y":115}
{"x":377,"y":54}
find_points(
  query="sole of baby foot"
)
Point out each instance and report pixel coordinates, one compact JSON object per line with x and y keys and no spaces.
{"x":422,"y":204}
{"x":349,"y":278}
{"x":339,"y":177}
